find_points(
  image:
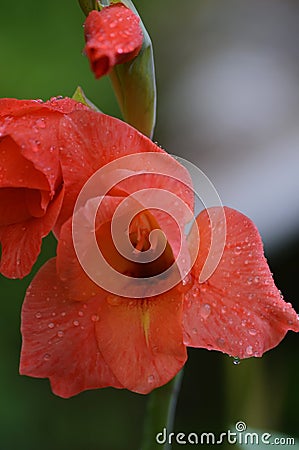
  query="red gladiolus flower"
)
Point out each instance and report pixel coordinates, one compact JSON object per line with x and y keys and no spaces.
{"x":113,"y":36}
{"x":81,"y":336}
{"x":31,"y":189}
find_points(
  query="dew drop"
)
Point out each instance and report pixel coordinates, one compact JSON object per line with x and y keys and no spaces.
{"x":249,"y":280}
{"x":47,"y":356}
{"x":38,"y":315}
{"x":41,"y":123}
{"x":220,"y":342}
{"x":237,"y":250}
{"x":194,"y":330}
{"x":51,"y":325}
{"x":256,"y":280}
{"x":236,"y":361}
{"x":249,"y":350}
{"x":63,"y":314}
{"x":151,"y":378}
{"x":205,"y":310}
{"x":94,"y":318}
{"x":195,"y":292}
{"x":76,"y":323}
{"x":60,"y":333}
{"x":80,"y":313}
{"x":203,"y":288}
{"x":252,"y":331}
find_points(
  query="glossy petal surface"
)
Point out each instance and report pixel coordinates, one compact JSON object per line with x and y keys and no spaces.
{"x":98,"y":139}
{"x":141,"y":340}
{"x":21,"y":242}
{"x":30,"y":177}
{"x":59,"y":340}
{"x":238,"y":310}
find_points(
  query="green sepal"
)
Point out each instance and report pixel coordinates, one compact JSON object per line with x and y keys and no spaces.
{"x":79,"y":96}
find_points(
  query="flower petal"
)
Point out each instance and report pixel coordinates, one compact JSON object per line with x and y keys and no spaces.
{"x":16,"y":171}
{"x":238,"y":310}
{"x":81,"y":287}
{"x":141,"y":340}
{"x":59,"y":340}
{"x":98,"y":139}
{"x":31,"y":140}
{"x":113,"y":36}
{"x":21,"y":242}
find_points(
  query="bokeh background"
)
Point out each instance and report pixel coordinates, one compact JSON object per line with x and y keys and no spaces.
{"x":228,"y":101}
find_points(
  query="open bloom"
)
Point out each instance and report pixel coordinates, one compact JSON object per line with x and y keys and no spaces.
{"x":83,"y":336}
{"x":31,"y":188}
{"x":113,"y":36}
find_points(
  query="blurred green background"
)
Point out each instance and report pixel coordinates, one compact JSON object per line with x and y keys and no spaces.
{"x":41,"y":56}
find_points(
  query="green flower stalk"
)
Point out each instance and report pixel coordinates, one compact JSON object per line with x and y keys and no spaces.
{"x":134,"y":84}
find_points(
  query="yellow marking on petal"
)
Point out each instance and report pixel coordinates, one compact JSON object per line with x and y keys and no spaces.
{"x":146,"y":325}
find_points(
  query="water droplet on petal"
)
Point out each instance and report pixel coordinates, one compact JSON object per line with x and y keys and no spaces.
{"x":51,"y":325}
{"x":80,"y":313}
{"x":220,"y":342}
{"x":47,"y":356}
{"x":205,"y":310}
{"x":194,"y":330}
{"x":41,"y":123}
{"x":256,"y":280}
{"x":60,"y":333}
{"x":94,"y":318}
{"x":252,"y":331}
{"x":249,"y":350}
{"x":76,"y":323}
{"x":38,"y":315}
{"x":151,"y":378}
{"x":237,"y":250}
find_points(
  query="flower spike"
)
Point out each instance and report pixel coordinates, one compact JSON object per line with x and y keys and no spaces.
{"x":118,"y":44}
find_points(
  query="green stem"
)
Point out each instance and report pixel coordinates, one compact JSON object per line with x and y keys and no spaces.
{"x":161,"y":413}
